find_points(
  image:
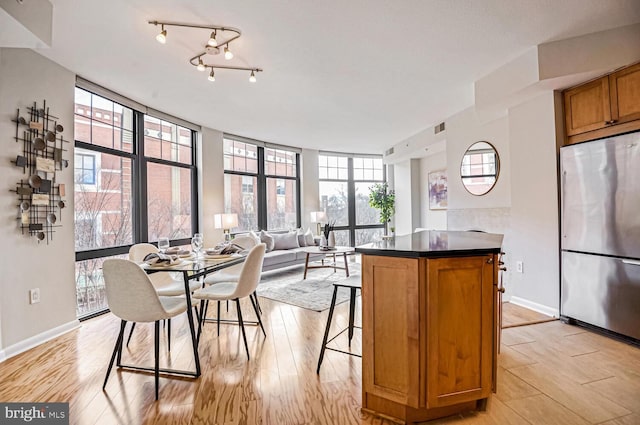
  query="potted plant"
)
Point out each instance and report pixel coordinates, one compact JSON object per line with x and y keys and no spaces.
{"x":383,"y":199}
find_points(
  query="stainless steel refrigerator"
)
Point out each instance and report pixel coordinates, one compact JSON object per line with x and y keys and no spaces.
{"x":600,"y":233}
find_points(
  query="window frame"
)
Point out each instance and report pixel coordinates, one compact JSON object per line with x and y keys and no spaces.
{"x":261,"y":181}
{"x":352,"y":225}
{"x":139,"y":164}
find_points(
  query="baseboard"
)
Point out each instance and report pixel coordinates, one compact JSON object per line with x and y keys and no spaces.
{"x":540,"y":308}
{"x":36,"y":340}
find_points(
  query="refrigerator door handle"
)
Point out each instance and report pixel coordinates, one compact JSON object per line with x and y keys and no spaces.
{"x":632,"y":262}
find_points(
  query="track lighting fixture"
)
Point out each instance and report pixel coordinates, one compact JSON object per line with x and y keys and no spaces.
{"x":212,"y":39}
{"x":227,"y":53}
{"x":162,"y":37}
{"x":219,"y":38}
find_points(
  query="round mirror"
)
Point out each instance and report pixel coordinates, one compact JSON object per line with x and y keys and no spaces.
{"x":480,"y":168}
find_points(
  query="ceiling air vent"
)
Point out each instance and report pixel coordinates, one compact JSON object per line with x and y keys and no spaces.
{"x":438,"y":128}
{"x":388,"y":152}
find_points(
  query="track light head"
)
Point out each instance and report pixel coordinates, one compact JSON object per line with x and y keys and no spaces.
{"x":212,"y":40}
{"x":211,"y":76}
{"x":162,"y":37}
{"x":252,"y":77}
{"x":200,"y":67}
{"x":227,"y":53}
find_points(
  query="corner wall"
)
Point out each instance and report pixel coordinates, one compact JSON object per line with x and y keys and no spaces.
{"x":25,"y":77}
{"x":210,"y":184}
{"x":534,"y":204}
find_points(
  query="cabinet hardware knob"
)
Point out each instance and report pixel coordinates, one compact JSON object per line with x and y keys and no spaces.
{"x":501,"y":290}
{"x":504,"y":269}
{"x":490,"y":261}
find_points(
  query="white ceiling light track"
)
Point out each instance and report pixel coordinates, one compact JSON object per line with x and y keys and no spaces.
{"x":219,"y":41}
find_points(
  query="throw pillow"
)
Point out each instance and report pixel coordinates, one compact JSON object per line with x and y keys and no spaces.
{"x":308,"y":237}
{"x":302,"y":241}
{"x":285,"y":240}
{"x":267,"y":239}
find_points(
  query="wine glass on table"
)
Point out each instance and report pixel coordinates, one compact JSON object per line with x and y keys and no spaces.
{"x":196,"y":244}
{"x":163,"y":244}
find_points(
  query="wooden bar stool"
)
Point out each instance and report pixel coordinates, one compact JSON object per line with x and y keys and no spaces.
{"x":352,"y":307}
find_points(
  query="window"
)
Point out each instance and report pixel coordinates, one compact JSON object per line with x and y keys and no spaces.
{"x":85,"y":169}
{"x":114,"y":208}
{"x":261,"y":185}
{"x":247,"y":185}
{"x":344,"y":195}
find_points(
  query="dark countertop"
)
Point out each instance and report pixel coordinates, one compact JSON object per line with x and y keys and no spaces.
{"x":435,"y":243}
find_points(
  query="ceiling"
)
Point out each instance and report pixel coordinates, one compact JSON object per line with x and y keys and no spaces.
{"x":350,"y":76}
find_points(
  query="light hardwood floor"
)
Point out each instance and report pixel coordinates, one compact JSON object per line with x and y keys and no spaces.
{"x":550,"y":373}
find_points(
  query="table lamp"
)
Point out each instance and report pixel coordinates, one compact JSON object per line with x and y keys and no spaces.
{"x":318,"y":217}
{"x":225,"y":222}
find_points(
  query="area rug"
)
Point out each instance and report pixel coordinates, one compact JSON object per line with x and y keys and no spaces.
{"x":313,"y":293}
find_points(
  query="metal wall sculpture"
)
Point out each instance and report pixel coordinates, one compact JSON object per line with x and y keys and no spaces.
{"x":41,"y":199}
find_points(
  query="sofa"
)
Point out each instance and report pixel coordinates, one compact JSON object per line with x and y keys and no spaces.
{"x":286,"y":249}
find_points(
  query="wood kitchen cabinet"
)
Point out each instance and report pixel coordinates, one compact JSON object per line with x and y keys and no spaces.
{"x":429,"y":333}
{"x":604,"y":107}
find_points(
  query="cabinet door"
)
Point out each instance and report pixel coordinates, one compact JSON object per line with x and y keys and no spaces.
{"x":587,"y":107}
{"x":625,"y":94}
{"x":460,"y":329}
{"x":391,"y":329}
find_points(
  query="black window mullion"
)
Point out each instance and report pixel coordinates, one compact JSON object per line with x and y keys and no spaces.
{"x":298,"y":212}
{"x":140,"y":192}
{"x":351,"y":202}
{"x":195,"y":218}
{"x":262,"y":191}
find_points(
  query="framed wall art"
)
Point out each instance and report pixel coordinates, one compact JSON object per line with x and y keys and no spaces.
{"x":438,"y":190}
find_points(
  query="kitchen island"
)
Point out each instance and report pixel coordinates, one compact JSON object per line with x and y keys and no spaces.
{"x":429,"y":324}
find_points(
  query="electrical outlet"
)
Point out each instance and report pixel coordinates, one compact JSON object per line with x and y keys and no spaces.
{"x":34,"y":296}
{"x":519,"y":266}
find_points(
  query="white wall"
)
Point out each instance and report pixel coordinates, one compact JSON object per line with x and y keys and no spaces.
{"x":210,"y":183}
{"x":26,"y":77}
{"x":534,"y":201}
{"x":310,"y":190}
{"x":431,"y":219}
{"x":406,"y":181}
{"x":463,"y":130}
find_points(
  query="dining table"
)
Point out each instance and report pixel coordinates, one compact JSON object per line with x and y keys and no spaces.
{"x":191,"y":268}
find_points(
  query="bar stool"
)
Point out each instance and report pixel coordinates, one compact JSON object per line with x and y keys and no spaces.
{"x":352,"y":306}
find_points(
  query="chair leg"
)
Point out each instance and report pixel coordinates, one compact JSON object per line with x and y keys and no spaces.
{"x":352,"y":311}
{"x":218,"y":318}
{"x":241,"y":322}
{"x":133,"y":326}
{"x":168,"y":334}
{"x":115,"y":350}
{"x":201,"y":321}
{"x":326,"y":331}
{"x":255,"y":308}
{"x":157,"y":356}
{"x":255,"y":297}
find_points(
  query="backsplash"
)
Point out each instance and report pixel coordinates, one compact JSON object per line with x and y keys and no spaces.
{"x":491,"y":220}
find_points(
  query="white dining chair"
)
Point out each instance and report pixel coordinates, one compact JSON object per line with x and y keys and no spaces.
{"x":235,"y":291}
{"x":132,"y":297}
{"x":166,"y":284}
{"x":232,"y":274}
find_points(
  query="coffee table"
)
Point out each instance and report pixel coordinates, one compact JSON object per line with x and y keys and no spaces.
{"x":338,"y":250}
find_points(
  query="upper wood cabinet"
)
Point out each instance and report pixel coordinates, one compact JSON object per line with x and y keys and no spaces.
{"x":624,"y":88}
{"x":604,"y":107}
